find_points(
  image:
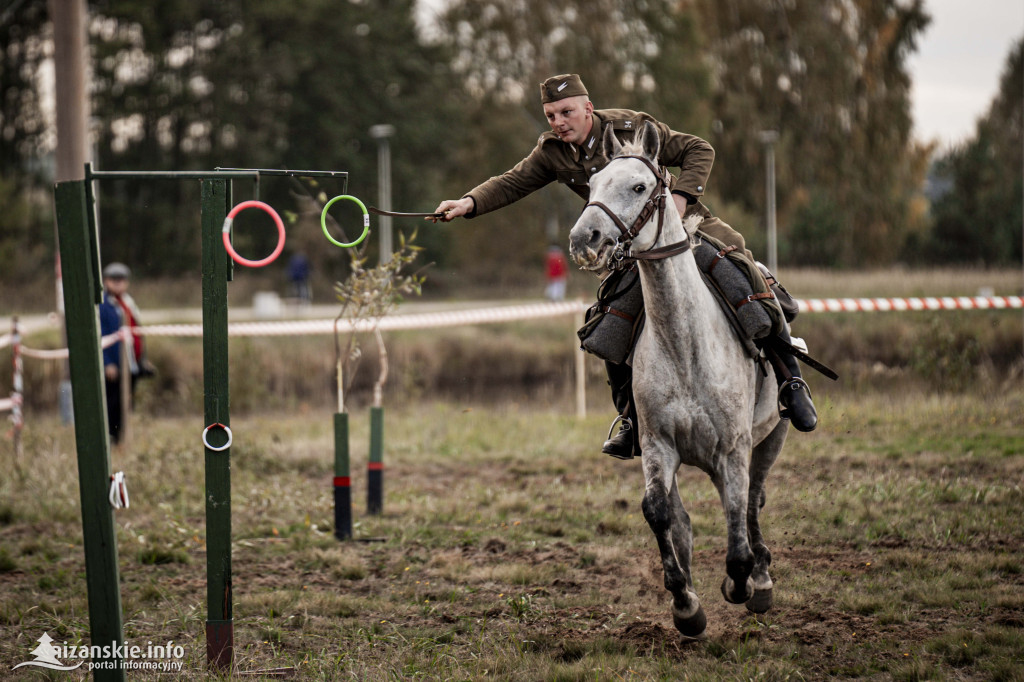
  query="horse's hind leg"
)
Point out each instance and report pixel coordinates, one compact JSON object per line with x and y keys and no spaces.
{"x":670,"y":523}
{"x":761,"y":462}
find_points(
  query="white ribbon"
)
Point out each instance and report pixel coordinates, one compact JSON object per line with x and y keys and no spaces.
{"x":118,"y":491}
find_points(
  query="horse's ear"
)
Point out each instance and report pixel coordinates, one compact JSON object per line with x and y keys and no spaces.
{"x":649,"y":141}
{"x":611,"y":143}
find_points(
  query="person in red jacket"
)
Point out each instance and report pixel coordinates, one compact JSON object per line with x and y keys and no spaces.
{"x":557,"y":268}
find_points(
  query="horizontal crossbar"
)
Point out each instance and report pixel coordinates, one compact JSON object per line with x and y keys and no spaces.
{"x":289,"y":173}
{"x":170,"y":175}
{"x":226,"y":173}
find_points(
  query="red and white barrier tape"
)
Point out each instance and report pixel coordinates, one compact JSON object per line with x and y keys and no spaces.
{"x":451,"y":318}
{"x":61,"y":353}
{"x":861,"y":305}
{"x":512,"y":313}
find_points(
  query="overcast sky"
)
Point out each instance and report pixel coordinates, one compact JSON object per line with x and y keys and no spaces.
{"x":959,"y":61}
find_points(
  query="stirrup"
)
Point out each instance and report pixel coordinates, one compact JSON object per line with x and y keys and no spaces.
{"x":790,"y":382}
{"x":627,"y":424}
{"x":613,"y":445}
{"x":807,"y":422}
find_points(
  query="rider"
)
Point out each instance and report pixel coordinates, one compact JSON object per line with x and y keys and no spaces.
{"x":571,"y":152}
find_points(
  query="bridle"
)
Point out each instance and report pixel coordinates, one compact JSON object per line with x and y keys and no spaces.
{"x":622,"y":254}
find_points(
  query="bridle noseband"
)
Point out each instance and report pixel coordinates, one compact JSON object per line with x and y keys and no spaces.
{"x":622,"y":255}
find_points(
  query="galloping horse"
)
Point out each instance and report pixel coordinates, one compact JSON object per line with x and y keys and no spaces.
{"x":700,"y":399}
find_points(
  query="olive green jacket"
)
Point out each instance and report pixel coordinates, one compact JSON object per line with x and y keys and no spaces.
{"x":572,"y":165}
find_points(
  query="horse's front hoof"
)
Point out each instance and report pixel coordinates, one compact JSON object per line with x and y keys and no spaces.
{"x":734,"y":594}
{"x":691,"y":627}
{"x":761,"y":602}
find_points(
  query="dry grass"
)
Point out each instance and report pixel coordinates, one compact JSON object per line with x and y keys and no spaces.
{"x":512,"y":550}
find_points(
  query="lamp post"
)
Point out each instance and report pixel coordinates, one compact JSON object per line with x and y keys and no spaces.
{"x":381,"y":133}
{"x":768,"y":139}
{"x":72,"y":106}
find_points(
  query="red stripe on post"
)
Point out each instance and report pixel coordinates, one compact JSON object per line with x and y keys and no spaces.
{"x":342,"y":482}
{"x":375,"y":466}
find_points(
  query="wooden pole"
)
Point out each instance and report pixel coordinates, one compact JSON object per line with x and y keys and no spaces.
{"x":125,"y":386}
{"x":375,"y":467}
{"x":342,"y":479}
{"x":81,"y":296}
{"x":216,"y":272}
{"x":17,"y":394}
{"x":581,"y":370}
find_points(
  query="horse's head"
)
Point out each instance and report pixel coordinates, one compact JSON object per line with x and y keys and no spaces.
{"x":629,"y":186}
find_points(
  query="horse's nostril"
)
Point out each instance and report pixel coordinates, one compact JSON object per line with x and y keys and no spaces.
{"x":595,"y":236}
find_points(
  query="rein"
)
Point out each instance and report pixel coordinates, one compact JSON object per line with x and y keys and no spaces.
{"x":622,"y":255}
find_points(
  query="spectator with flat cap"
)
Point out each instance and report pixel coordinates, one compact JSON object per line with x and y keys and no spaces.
{"x":570,"y":153}
{"x":118,"y":309}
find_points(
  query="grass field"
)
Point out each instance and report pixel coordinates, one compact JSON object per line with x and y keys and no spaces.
{"x":511,"y":549}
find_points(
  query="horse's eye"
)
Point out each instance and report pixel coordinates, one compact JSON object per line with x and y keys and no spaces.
{"x":640,"y":189}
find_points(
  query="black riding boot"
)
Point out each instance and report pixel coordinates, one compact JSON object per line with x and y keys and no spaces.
{"x":790,"y":308}
{"x":794,"y":394}
{"x":625,"y":444}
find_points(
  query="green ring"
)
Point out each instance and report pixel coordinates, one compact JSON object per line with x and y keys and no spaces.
{"x":366,"y":221}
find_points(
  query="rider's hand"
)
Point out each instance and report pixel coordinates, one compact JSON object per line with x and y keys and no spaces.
{"x":453,"y":209}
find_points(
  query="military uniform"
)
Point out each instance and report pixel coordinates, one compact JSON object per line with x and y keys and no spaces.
{"x":555,"y":160}
{"x":572,"y":165}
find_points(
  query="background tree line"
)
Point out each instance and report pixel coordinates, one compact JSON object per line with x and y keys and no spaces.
{"x":265,"y":83}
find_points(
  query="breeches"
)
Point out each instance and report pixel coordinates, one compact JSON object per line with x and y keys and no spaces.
{"x":620,"y":379}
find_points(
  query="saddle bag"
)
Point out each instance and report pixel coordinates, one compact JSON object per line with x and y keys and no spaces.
{"x":612,"y":324}
{"x":741,"y":284}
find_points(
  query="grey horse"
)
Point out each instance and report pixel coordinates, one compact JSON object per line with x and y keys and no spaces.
{"x":701,"y":400}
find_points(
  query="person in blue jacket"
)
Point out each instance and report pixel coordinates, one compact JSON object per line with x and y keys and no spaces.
{"x":118,"y":310}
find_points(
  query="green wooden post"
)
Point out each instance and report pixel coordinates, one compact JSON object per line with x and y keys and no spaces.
{"x":82,"y":291}
{"x":219,"y":623}
{"x":375,"y":467}
{"x":342,"y":479}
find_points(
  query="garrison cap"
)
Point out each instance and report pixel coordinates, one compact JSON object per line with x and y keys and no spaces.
{"x":117,"y":271}
{"x":560,"y":87}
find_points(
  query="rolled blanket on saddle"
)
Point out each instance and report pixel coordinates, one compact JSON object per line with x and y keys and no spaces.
{"x":612,"y":325}
{"x":741,"y":284}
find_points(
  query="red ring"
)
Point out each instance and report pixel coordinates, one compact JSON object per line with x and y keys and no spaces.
{"x":227,"y":239}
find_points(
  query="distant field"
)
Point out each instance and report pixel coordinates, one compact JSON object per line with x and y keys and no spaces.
{"x":511,"y":549}
{"x":23,"y":298}
{"x":816,"y":283}
{"x":946,"y":351}
{"x":802,"y":282}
